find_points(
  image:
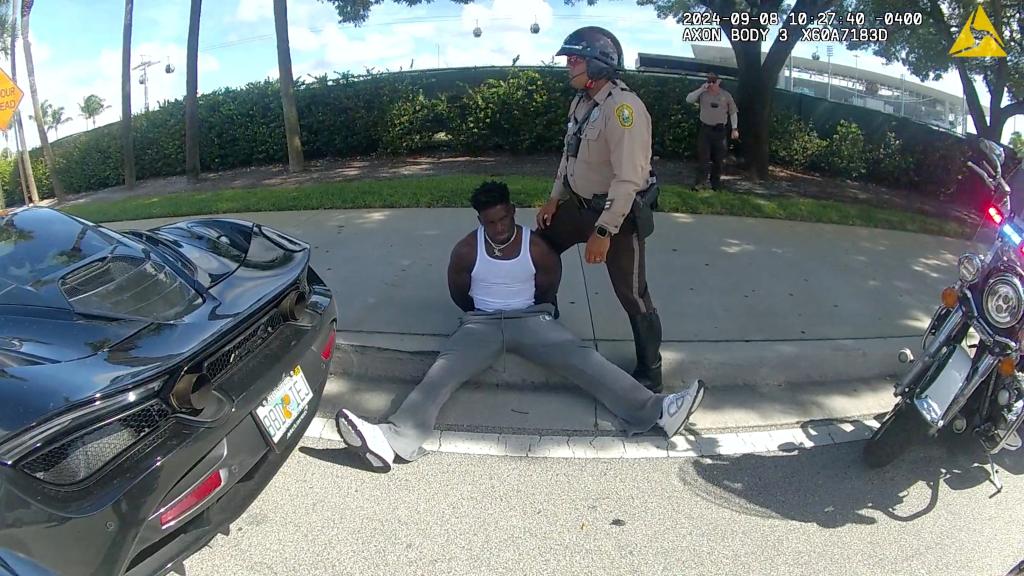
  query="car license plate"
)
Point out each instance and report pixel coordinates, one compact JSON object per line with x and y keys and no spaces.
{"x":285,"y":406}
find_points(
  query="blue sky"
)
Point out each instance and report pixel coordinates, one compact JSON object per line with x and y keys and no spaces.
{"x":77,"y":44}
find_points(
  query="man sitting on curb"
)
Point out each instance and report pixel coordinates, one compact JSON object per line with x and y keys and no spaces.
{"x":505,"y":279}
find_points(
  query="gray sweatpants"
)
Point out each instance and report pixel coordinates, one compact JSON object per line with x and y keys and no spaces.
{"x":532,"y":334}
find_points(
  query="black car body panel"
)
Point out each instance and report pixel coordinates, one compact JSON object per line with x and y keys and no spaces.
{"x":78,"y":378}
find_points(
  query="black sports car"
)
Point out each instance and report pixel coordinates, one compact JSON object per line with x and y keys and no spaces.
{"x":151,"y":383}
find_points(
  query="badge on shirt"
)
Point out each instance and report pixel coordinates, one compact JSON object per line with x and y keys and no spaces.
{"x":595,"y":115}
{"x":624,"y":114}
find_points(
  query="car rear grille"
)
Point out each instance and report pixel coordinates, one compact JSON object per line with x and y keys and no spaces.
{"x":81,"y":457}
{"x":130,"y":286}
{"x":244,"y":346}
{"x":89,"y":279}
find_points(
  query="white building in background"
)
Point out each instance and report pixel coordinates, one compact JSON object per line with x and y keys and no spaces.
{"x":837,"y":82}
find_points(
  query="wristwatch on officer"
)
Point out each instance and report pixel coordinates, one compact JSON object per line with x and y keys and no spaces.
{"x":602,"y":232}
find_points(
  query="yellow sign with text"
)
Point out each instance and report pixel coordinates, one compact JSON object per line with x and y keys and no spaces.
{"x":978,"y":39}
{"x":10,"y":97}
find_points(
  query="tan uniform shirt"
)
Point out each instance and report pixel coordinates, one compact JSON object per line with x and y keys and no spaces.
{"x":615,"y":151}
{"x":715,"y":108}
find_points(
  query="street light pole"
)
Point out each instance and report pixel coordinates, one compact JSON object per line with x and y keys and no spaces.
{"x":828,"y":95}
{"x":790,"y":71}
{"x":963,"y":115}
{"x":903,"y":93}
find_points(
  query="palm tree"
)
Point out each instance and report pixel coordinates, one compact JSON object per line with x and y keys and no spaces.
{"x":284,"y":66}
{"x":91,"y":107}
{"x":6,"y":30}
{"x":28,"y":180}
{"x":51,"y":163}
{"x":53,"y":117}
{"x":45,"y":108}
{"x":57,"y":119}
{"x":192,"y":94}
{"x":127,"y":145}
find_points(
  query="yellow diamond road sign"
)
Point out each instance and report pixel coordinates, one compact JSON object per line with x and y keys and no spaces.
{"x":978,"y":39}
{"x":10,"y":97}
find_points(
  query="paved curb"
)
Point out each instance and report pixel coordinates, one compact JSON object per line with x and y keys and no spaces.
{"x":406,"y":358}
{"x":636,"y":447}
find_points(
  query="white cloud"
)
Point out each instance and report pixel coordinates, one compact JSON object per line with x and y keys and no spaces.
{"x":303,"y":39}
{"x":304,"y":14}
{"x":254,"y":10}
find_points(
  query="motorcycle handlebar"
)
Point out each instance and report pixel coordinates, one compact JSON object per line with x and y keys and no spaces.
{"x":996,"y":184}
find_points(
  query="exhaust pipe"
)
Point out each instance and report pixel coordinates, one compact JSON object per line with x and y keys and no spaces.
{"x":294,"y":305}
{"x":192,"y":392}
{"x":905,"y":356}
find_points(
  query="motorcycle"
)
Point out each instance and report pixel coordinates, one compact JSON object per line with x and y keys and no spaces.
{"x":975,"y":388}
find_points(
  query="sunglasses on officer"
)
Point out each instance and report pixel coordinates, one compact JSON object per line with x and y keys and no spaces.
{"x":573,"y":60}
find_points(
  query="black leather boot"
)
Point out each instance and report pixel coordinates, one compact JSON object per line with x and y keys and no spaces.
{"x":647,"y":339}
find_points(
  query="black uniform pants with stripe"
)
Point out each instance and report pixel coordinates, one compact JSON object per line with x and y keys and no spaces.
{"x":711,"y":149}
{"x":573,"y":223}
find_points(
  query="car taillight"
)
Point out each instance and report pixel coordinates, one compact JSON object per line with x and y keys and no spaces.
{"x":995,"y":214}
{"x":71,"y":448}
{"x":328,"y":349}
{"x":197,"y":496}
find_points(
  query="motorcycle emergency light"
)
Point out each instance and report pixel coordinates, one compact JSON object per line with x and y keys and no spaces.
{"x":950,"y":298}
{"x":1011,"y":234}
{"x":1007,"y":366}
{"x":995,"y":214}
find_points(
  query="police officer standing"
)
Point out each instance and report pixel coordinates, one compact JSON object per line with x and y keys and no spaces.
{"x":716,"y":107}
{"x":606,"y":163}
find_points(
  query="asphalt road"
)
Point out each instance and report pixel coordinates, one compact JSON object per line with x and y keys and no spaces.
{"x":811,"y":512}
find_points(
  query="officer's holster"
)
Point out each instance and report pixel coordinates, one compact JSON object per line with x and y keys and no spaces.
{"x":644,"y":205}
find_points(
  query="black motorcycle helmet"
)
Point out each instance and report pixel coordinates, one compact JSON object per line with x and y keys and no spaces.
{"x":599,"y":47}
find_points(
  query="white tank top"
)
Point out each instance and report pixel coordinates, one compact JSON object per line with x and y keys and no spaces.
{"x":502,"y":285}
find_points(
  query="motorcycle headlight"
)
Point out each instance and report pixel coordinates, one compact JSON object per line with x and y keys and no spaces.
{"x":970,"y":268}
{"x":1004,"y":301}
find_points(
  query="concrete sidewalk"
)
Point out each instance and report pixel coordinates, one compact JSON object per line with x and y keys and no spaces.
{"x":787,"y":322}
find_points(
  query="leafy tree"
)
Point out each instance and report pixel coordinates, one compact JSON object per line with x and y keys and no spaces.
{"x":924,"y":50}
{"x":1017,"y":143}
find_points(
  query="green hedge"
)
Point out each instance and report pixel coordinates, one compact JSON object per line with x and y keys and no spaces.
{"x":514,"y":110}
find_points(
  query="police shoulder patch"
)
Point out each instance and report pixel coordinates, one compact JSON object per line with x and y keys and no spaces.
{"x":624,"y":114}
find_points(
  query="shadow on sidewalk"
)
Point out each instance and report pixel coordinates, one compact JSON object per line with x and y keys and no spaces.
{"x":338,"y":456}
{"x":834,"y":488}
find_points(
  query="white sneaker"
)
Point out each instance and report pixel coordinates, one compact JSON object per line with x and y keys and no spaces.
{"x":365,"y":438}
{"x":677,"y":408}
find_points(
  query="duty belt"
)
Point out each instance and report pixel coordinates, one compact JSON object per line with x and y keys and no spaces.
{"x":596,"y":203}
